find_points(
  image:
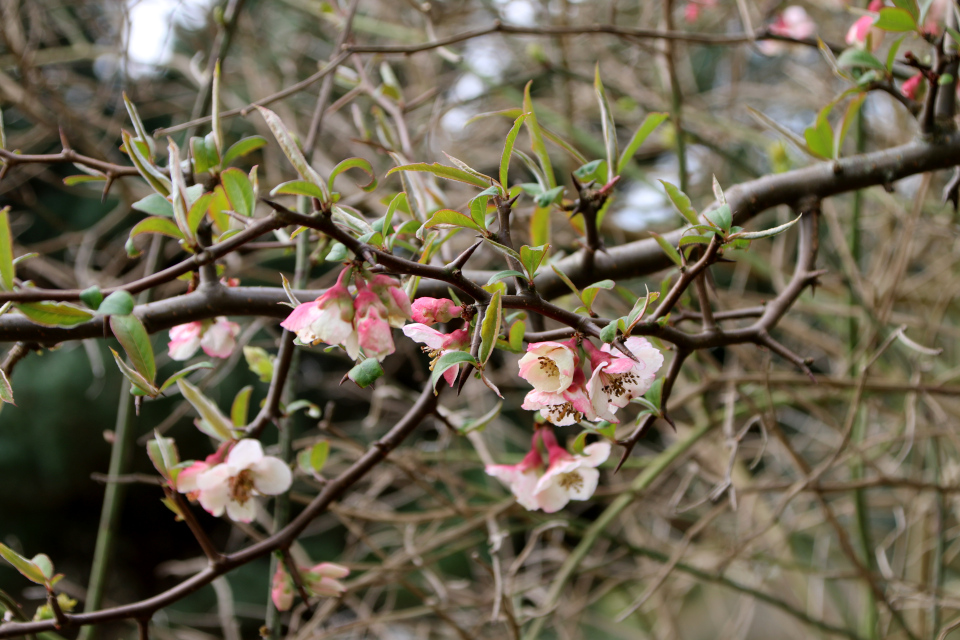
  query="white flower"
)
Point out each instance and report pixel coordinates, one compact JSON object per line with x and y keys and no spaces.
{"x":246,"y":472}
{"x":569,"y":477}
{"x":548,"y":366}
{"x":617,"y":379}
{"x":522,"y":477}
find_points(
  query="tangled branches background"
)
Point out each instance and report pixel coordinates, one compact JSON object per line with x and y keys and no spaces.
{"x":805,"y":481}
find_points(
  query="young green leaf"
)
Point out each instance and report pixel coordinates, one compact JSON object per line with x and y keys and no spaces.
{"x":141,"y":386}
{"x":197,"y":211}
{"x":607,"y":124}
{"x":532,"y":257}
{"x":156,"y":224}
{"x":490,"y":327}
{"x":54,"y":314}
{"x":450,"y":219}
{"x":7,"y":271}
{"x":443,"y":171}
{"x":536,"y":139}
{"x":298,"y":188}
{"x":766,"y":233}
{"x":648,"y":126}
{"x":292,"y":151}
{"x":145,"y":167}
{"x":220,"y":426}
{"x":135,"y":340}
{"x":178,"y":190}
{"x":137,"y":123}
{"x":508,"y":152}
{"x":505,"y":250}
{"x":721,"y":217}
{"x":240,"y":406}
{"x":92,"y":297}
{"x":259,"y":362}
{"x":154,"y":204}
{"x":848,"y":117}
{"x":566,"y":280}
{"x":243,"y":147}
{"x":204,"y":155}
{"x":312,"y":460}
{"x":857,"y":58}
{"x":366,"y":373}
{"x":681,"y":201}
{"x":668,"y":248}
{"x":447,"y":360}
{"x":354,"y":163}
{"x":609,"y":333}
{"x":896,"y":20}
{"x":163,"y":454}
{"x":6,"y":391}
{"x":480,"y":423}
{"x":515,"y":337}
{"x":27,"y":568}
{"x":509,"y":273}
{"x":239,"y":191}
{"x":590,"y":293}
{"x":183,"y":372}
{"x":215,"y":125}
{"x":117,"y":303}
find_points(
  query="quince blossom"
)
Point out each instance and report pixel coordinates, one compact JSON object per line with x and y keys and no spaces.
{"x":549,"y":366}
{"x":437,"y":343}
{"x":862,"y":32}
{"x":319,"y":580}
{"x":569,"y":477}
{"x":327,"y":319}
{"x":521,"y":478}
{"x":793,"y":22}
{"x":617,"y":379}
{"x":373,"y":330}
{"x":217,"y":338}
{"x":230,"y":486}
{"x":394,"y":299}
{"x":566,"y":407}
{"x":281,"y":588}
{"x":434,"y":310}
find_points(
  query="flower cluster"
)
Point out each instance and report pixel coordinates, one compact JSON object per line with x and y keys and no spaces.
{"x":320,"y":580}
{"x":216,"y":337}
{"x":566,"y":477}
{"x":227,"y":480}
{"x":355,"y":323}
{"x":561,"y":391}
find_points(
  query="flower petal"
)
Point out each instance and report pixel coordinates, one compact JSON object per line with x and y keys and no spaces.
{"x":245,"y":512}
{"x":244,"y":455}
{"x":271,"y":476}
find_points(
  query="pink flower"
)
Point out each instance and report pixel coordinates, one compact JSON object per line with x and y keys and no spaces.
{"x":393,"y":297}
{"x":565,"y":407}
{"x":434,"y":310}
{"x":217,"y":338}
{"x":438,"y":343}
{"x":324,"y":579}
{"x":281,"y":591}
{"x":794,"y":23}
{"x":568,"y":477}
{"x":327,"y":319}
{"x":862,"y":33}
{"x":617,"y":379}
{"x":692,"y":9}
{"x":549,"y":366}
{"x":246,"y":472}
{"x":911,"y":87}
{"x":521,"y":478}
{"x":372,"y":328}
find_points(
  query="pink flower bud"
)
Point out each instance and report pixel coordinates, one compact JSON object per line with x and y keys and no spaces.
{"x":372,"y":328}
{"x":911,"y":87}
{"x":393,"y":297}
{"x":327,"y":319}
{"x":281,"y":591}
{"x":433,"y":310}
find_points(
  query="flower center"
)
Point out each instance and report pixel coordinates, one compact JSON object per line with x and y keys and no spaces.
{"x":434,"y":355}
{"x":616,"y":381}
{"x":561,"y":411}
{"x":549,"y":367}
{"x":241,"y":486}
{"x":571,"y":481}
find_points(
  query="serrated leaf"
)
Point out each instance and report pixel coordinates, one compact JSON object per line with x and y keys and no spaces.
{"x":354,"y":163}
{"x":895,"y":19}
{"x":28,"y":569}
{"x":240,"y":406}
{"x":6,"y":391}
{"x":681,"y":202}
{"x":766,"y":233}
{"x":141,"y":386}
{"x":443,"y":171}
{"x":607,"y":125}
{"x":135,"y":340}
{"x":220,"y":426}
{"x":185,"y":371}
{"x":668,"y":248}
{"x":54,"y":314}
{"x":532,"y":257}
{"x":447,"y":360}
{"x":366,"y":373}
{"x":243,"y":147}
{"x":7,"y":271}
{"x":292,"y":151}
{"x":508,"y":150}
{"x":239,"y":191}
{"x":490,"y":327}
{"x":117,"y":303}
{"x":156,"y":224}
{"x":648,"y":126}
{"x":450,"y":219}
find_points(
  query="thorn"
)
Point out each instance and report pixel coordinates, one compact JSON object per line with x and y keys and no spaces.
{"x":627,"y":450}
{"x":106,"y":188}
{"x":951,"y":192}
{"x":464,"y":374}
{"x":63,"y":139}
{"x":461,"y":260}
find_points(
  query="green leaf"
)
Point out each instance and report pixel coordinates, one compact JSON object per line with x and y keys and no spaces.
{"x":536,"y":138}
{"x":490,"y":327}
{"x":508,"y":150}
{"x":819,"y":136}
{"x":720,"y":217}
{"x":145,"y":167}
{"x":54,"y":314}
{"x":910,"y":6}
{"x":857,"y":58}
{"x":239,"y":191}
{"x":848,"y":117}
{"x":135,"y":340}
{"x":28,"y":569}
{"x":505,"y":250}
{"x":354,"y":163}
{"x":589,"y":293}
{"x":770,"y":123}
{"x":186,"y":371}
{"x":259,"y":362}
{"x":92,"y":297}
{"x":117,"y":303}
{"x":648,"y":126}
{"x":766,"y":233}
{"x":72,"y":181}
{"x":532,"y":257}
{"x":609,"y":333}
{"x":480,"y":423}
{"x":509,"y":273}
{"x":515,"y":338}
{"x":366,"y":373}
{"x":141,"y":386}
{"x":7,"y":272}
{"x":654,"y":393}
{"x":197,"y":212}
{"x":154,"y":204}
{"x":447,"y":360}
{"x":681,"y":201}
{"x":450,"y":219}
{"x":478,"y":210}
{"x":292,"y":151}
{"x":548,"y":197}
{"x":136,"y":120}
{"x":6,"y":391}
{"x":540,"y":226}
{"x":591,"y":171}
{"x":204,"y":154}
{"x":443,"y":171}
{"x":668,"y":249}
{"x":178,"y":189}
{"x":219,"y":425}
{"x":240,"y":406}
{"x":892,"y":19}
{"x":163,"y":454}
{"x":607,"y":124}
{"x":215,"y":125}
{"x":688,"y":240}
{"x":156,"y":224}
{"x":243,"y":147}
{"x":953,"y":33}
{"x":579,"y":443}
{"x":566,"y":280}
{"x":312,"y":460}
{"x":298,"y":188}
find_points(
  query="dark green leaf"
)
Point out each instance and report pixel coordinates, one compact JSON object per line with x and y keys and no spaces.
{"x":609,"y":333}
{"x":92,"y":297}
{"x":366,"y":373}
